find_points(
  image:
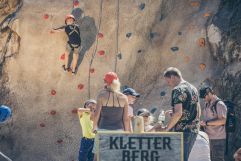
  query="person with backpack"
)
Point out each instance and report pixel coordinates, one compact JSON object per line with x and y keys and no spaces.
{"x":214,"y":120}
{"x":73,"y":44}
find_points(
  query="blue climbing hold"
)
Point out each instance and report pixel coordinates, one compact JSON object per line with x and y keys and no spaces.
{"x":128,"y":35}
{"x":142,"y":6}
{"x":174,"y":48}
{"x":5,"y":113}
{"x":163,"y":93}
{"x":153,"y":35}
{"x":179,"y":33}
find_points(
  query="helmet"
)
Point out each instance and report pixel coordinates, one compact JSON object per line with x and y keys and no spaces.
{"x":5,"y":113}
{"x":69,"y":16}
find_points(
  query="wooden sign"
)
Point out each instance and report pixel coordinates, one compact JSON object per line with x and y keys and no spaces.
{"x":116,"y":146}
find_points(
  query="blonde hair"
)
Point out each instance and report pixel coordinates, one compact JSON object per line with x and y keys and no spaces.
{"x":115,"y":85}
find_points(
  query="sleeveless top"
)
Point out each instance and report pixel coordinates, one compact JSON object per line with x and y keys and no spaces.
{"x":111,"y":118}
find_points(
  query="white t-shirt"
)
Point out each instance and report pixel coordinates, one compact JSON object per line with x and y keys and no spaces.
{"x":130,"y":111}
{"x":201,"y":149}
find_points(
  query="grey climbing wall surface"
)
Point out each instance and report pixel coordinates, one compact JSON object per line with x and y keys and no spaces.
{"x":201,"y":37}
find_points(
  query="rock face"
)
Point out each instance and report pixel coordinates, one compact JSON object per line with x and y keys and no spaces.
{"x":152,"y":35}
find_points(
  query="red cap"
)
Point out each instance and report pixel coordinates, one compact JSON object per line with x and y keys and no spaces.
{"x":109,"y":77}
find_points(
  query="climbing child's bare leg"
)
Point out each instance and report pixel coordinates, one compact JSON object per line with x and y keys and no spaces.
{"x":66,"y":60}
{"x":75,"y":60}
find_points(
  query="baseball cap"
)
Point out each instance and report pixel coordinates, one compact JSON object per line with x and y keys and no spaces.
{"x":110,"y":77}
{"x":131,"y":91}
{"x":143,"y":112}
{"x":204,"y":91}
{"x":89,"y":101}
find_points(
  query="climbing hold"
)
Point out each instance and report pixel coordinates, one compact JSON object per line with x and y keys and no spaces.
{"x":42,"y":125}
{"x":76,"y":3}
{"x":100,"y":35}
{"x":119,"y":56}
{"x":53,"y":112}
{"x":153,"y":34}
{"x":59,"y":141}
{"x":80,"y":86}
{"x":142,"y":6}
{"x":74,"y":111}
{"x":175,"y":48}
{"x":201,"y":42}
{"x":101,"y":52}
{"x":206,"y":14}
{"x":53,"y":92}
{"x":92,"y":70}
{"x":163,"y":93}
{"x":5,"y":113}
{"x":46,"y":16}
{"x":202,"y":66}
{"x":62,"y":57}
{"x":139,"y":51}
{"x":195,"y":4}
{"x":128,"y":35}
{"x":161,"y":17}
{"x":179,"y":33}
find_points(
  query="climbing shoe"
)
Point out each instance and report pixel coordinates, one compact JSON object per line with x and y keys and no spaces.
{"x":65,"y":69}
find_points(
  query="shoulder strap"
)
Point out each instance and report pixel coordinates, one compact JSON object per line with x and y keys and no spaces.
{"x":108,"y":99}
{"x":214,"y":106}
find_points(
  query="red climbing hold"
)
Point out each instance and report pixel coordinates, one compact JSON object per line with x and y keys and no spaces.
{"x":42,"y":125}
{"x":80,"y":86}
{"x":195,"y":4}
{"x":92,"y":70}
{"x":62,"y":57}
{"x":53,"y":112}
{"x":100,"y":35}
{"x":207,"y":14}
{"x":101,"y":52}
{"x":53,"y":92}
{"x":201,"y":42}
{"x":202,"y":66}
{"x":74,"y":111}
{"x":60,"y":141}
{"x":76,"y":3}
{"x":46,"y":16}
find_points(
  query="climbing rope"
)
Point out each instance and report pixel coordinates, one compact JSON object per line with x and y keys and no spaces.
{"x":117,"y":33}
{"x":96,"y":46}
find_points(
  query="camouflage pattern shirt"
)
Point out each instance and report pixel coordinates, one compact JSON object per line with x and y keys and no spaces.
{"x":187,"y":95}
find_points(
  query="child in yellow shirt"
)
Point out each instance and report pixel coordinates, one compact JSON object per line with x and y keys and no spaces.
{"x":86,"y":121}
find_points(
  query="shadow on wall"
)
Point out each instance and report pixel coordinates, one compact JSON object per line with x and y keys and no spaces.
{"x":88,"y":32}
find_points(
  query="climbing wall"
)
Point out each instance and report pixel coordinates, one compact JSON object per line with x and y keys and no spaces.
{"x":137,"y":38}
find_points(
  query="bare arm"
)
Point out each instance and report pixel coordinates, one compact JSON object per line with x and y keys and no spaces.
{"x":175,"y":117}
{"x":96,"y":115}
{"x":126,"y":117}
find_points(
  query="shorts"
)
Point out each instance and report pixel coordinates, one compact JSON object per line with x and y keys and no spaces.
{"x":75,"y":50}
{"x":85,"y":152}
{"x":217,"y":148}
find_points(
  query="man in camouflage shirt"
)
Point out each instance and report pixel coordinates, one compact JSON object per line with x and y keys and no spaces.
{"x":186,"y":108}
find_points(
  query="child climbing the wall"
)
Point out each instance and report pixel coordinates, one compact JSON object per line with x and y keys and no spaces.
{"x":73,"y":44}
{"x":86,"y":144}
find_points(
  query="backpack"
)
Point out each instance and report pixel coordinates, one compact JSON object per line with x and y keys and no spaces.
{"x":231,"y":120}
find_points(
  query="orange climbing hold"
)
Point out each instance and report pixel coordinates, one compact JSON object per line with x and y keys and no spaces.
{"x":101,"y":52}
{"x":80,"y":86}
{"x":62,"y":57}
{"x":206,"y":14}
{"x":100,"y":35}
{"x":76,"y":3}
{"x":92,"y":70}
{"x":201,"y":42}
{"x":74,"y":111}
{"x":53,"y":92}
{"x":195,"y":4}
{"x":202,"y":66}
{"x":46,"y":16}
{"x":42,"y":125}
{"x":53,"y":112}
